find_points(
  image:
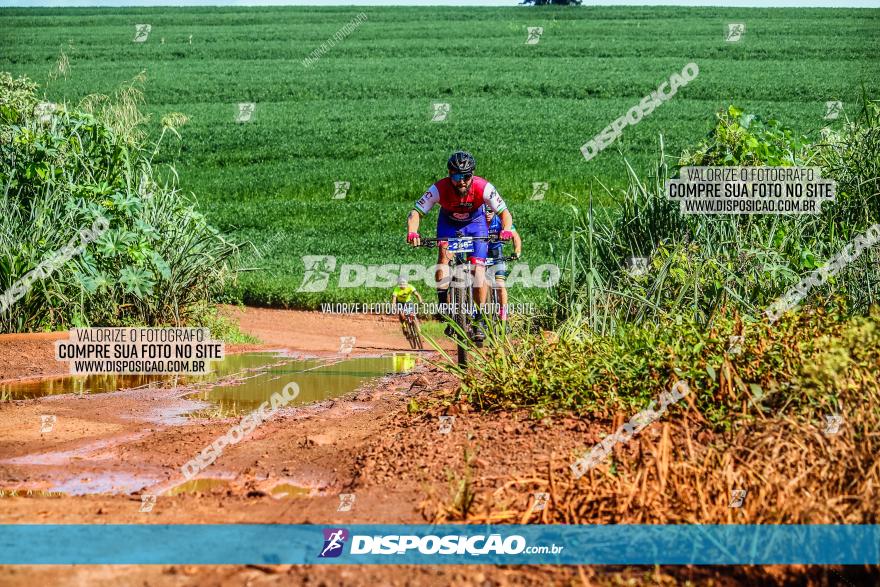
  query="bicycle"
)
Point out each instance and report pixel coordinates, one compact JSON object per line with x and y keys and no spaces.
{"x":411,"y":327}
{"x":495,"y":299}
{"x":461,"y":294}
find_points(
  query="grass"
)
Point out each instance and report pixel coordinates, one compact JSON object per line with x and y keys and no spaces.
{"x":362,"y":112}
{"x":759,"y":414}
{"x":154,"y":260}
{"x":587,"y":373}
{"x":433,"y":329}
{"x":225,"y":329}
{"x":622,"y":339}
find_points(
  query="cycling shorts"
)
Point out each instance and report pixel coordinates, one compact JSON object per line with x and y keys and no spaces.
{"x":448,"y":228}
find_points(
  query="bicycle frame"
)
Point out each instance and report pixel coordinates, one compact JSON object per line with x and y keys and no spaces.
{"x":461,"y":297}
{"x":411,"y":324}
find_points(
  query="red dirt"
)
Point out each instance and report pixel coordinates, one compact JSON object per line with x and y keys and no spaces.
{"x":128,"y":442}
{"x":318,"y":333}
{"x":30,"y":355}
{"x":368,"y":443}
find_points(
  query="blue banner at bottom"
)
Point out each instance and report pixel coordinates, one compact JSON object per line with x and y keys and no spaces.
{"x":372,"y":544}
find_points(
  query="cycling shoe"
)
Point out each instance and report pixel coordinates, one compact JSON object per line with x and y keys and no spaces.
{"x":478,"y":335}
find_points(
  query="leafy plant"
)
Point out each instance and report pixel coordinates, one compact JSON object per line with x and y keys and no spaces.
{"x":461,"y":487}
{"x":748,"y":139}
{"x":61,"y":172}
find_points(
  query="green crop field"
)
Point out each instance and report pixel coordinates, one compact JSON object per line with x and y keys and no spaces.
{"x":362,"y":112}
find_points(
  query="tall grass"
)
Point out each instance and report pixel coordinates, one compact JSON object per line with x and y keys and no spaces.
{"x":756,"y":420}
{"x":698,"y":264}
{"x":65,"y":167}
{"x":757,"y":416}
{"x":622,"y":337}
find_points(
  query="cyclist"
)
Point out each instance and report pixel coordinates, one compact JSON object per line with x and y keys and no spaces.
{"x":461,"y":196}
{"x":402,"y":294}
{"x":497,"y":273}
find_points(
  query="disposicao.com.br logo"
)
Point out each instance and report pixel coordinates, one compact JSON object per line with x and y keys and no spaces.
{"x":450,"y":544}
{"x":334,"y":542}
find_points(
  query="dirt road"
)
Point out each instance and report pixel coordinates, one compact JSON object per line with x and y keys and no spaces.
{"x":105,"y":451}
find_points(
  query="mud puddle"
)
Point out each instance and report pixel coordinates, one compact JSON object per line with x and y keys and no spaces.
{"x":89,"y":464}
{"x":317,"y":381}
{"x":111,"y":483}
{"x":205,"y":485}
{"x":278,"y":490}
{"x":87,"y":384}
{"x":237,"y":384}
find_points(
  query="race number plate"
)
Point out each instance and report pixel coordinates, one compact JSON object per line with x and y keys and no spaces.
{"x":461,"y":246}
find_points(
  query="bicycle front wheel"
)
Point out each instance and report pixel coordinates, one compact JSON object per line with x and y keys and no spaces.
{"x":460,"y":303}
{"x":417,"y":334}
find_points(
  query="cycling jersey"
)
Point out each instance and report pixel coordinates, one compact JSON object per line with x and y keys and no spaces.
{"x":457,"y":209}
{"x":403,"y":294}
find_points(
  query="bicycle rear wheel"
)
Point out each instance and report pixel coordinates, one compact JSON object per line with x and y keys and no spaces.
{"x":416,"y":334}
{"x":409,"y":337}
{"x":411,"y":333}
{"x":406,"y":332}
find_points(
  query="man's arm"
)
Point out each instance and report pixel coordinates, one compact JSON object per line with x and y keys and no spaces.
{"x":424,"y":204}
{"x":506,"y":220}
{"x":418,"y":295}
{"x":493,"y":199}
{"x":412,"y":227}
{"x":517,"y":244}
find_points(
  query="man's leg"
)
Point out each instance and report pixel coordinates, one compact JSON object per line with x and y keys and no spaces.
{"x":441,"y":277}
{"x":445,"y":229}
{"x":487,"y":283}
{"x":491,"y":276}
{"x":402,"y":318}
{"x":481,"y":289}
{"x":480,"y":293}
{"x":478,"y":228}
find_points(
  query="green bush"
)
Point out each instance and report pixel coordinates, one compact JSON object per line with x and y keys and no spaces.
{"x":806,"y":364}
{"x":749,"y":140}
{"x":701,"y":263}
{"x":623,"y":337}
{"x":65,"y":169}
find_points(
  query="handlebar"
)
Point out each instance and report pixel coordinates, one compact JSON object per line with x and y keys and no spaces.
{"x":494,"y":261}
{"x":431,"y":242}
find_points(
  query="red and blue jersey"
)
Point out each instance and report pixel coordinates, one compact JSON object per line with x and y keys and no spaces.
{"x":457,"y":209}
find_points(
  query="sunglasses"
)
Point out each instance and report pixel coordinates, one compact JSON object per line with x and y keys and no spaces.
{"x":461,"y":176}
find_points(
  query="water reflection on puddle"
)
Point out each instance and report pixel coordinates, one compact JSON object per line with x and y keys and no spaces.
{"x":317,"y":381}
{"x":82,"y":384}
{"x":199,"y":486}
{"x":238,"y":384}
{"x":288,"y":490}
{"x":209,"y":485}
{"x":105,"y":483}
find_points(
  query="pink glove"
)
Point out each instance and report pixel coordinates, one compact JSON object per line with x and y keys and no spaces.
{"x":506,"y":235}
{"x":413,"y":237}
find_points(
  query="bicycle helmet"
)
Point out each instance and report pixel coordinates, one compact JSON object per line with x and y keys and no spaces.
{"x":461,"y":162}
